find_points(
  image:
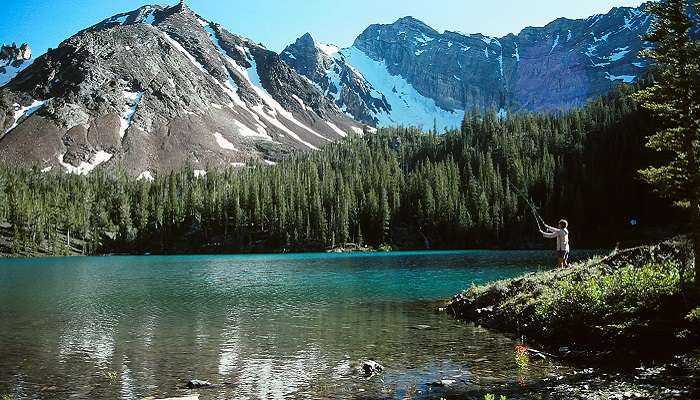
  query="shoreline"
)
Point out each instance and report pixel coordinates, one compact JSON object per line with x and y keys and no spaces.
{"x":6,"y":256}
{"x":548,"y":309}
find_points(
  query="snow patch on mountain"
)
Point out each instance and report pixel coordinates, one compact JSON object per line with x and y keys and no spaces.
{"x":337,"y":130}
{"x":243,"y":130}
{"x":230,"y":87}
{"x":85,"y":167}
{"x":275,"y":109}
{"x":619,"y":53}
{"x":22,"y":113}
{"x":146,"y":175}
{"x":327,"y":49}
{"x":133,"y":100}
{"x":184,"y":51}
{"x":423,"y":38}
{"x":408,"y":107}
{"x":223,"y":142}
{"x":623,"y":78}
{"x":251,"y":74}
{"x":10,"y":70}
{"x":556,"y":43}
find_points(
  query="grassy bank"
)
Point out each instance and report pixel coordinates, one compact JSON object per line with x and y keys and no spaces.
{"x":639,"y":299}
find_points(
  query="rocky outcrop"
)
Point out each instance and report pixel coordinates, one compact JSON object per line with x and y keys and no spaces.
{"x":150,"y":90}
{"x":13,"y":60}
{"x":429,"y":78}
{"x":198,"y":384}
{"x":371,"y":368}
{"x":13,"y":53}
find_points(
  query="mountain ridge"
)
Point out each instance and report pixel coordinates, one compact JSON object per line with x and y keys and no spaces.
{"x":555,"y":67}
{"x":157,"y":88}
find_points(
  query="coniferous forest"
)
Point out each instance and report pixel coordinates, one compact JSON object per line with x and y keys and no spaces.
{"x":399,"y":187}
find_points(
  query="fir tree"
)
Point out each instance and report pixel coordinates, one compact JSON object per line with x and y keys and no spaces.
{"x":675,"y":97}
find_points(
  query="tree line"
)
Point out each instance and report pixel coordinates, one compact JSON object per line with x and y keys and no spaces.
{"x":399,"y":187}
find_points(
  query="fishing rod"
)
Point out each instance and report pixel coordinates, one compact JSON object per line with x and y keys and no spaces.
{"x":533,"y":209}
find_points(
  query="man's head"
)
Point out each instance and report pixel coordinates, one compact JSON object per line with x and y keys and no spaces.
{"x":563,"y":224}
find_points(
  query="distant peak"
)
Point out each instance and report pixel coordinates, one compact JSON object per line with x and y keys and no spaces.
{"x":181,"y":7}
{"x":307,"y":38}
{"x":414,"y":23}
{"x":409,"y":20}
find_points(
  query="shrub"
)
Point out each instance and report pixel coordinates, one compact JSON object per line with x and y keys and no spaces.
{"x":693,"y":319}
{"x":386,"y":248}
{"x":613,"y":302}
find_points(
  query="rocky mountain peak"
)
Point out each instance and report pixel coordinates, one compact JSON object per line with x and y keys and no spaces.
{"x":155,"y":88}
{"x":180,"y":7}
{"x":306,"y":39}
{"x":13,"y":53}
{"x":405,"y":30}
{"x":415,"y":23}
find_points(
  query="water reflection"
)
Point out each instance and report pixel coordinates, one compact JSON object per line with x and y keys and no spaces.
{"x":258,"y":326}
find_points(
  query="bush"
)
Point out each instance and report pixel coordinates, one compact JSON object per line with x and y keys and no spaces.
{"x":386,"y":248}
{"x":615,"y":303}
{"x":693,"y":319}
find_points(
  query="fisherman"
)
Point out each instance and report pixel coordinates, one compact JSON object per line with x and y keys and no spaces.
{"x":562,"y":236}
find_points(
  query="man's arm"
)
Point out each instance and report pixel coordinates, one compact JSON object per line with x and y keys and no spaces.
{"x":549,"y":235}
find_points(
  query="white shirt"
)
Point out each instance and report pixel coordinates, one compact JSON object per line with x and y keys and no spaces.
{"x":562,"y":236}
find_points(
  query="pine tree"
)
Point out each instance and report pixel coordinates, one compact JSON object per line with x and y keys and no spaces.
{"x":675,"y":97}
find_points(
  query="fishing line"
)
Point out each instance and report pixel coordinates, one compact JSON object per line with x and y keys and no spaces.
{"x":533,"y":209}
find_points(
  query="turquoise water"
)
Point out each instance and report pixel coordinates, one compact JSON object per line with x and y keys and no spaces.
{"x":257,"y":326}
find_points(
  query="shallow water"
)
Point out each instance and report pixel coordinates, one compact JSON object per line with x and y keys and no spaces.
{"x":257,"y":326}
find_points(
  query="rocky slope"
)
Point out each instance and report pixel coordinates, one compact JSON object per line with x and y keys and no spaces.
{"x":408,"y":73}
{"x":155,"y":88}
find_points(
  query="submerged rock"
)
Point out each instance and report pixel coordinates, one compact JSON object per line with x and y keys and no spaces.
{"x":442,"y":383}
{"x":196,"y":384}
{"x":371,"y":368}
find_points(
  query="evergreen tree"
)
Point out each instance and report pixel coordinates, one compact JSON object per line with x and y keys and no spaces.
{"x":675,"y":97}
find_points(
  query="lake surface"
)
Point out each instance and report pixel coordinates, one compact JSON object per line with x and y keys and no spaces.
{"x":257,"y":326}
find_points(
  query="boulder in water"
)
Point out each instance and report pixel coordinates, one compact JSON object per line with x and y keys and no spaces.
{"x":442,"y":383}
{"x":371,"y":368}
{"x":196,"y":384}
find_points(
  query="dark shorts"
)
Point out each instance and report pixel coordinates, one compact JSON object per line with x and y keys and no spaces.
{"x":563,"y":255}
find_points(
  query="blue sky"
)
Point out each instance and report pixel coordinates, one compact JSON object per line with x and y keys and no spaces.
{"x":276,"y":23}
